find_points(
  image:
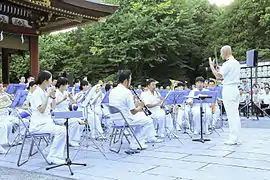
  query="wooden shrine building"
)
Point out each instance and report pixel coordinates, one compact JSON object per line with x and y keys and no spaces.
{"x":22,"y":21}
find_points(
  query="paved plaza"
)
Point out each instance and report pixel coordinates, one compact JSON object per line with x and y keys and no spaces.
{"x":170,"y":160}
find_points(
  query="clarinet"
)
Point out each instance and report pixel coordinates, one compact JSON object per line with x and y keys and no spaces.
{"x":145,"y":109}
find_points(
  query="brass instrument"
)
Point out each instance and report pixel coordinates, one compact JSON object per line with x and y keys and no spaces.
{"x":5,"y":101}
{"x":145,"y":109}
{"x":173,"y":83}
{"x":97,"y":93}
{"x":213,"y":107}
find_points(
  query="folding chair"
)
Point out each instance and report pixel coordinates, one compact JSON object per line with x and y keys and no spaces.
{"x":119,"y":130}
{"x":34,"y":137}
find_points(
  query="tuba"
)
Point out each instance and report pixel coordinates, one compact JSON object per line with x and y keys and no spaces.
{"x":173,"y":83}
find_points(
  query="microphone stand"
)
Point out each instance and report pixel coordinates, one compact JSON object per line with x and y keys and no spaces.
{"x":201,"y":139}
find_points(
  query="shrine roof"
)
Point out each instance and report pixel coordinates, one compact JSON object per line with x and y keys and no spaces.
{"x":45,"y":16}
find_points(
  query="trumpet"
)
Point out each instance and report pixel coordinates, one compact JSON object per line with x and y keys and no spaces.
{"x":145,"y":109}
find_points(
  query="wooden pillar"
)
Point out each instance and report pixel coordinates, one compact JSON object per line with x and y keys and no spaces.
{"x":34,"y":56}
{"x":5,"y":66}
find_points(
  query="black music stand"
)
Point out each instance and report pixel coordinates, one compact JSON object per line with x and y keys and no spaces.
{"x":67,"y":115}
{"x":201,"y":99}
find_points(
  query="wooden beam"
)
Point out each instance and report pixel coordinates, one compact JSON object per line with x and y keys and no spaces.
{"x":34,"y":56}
{"x":94,"y":6}
{"x":10,"y":28}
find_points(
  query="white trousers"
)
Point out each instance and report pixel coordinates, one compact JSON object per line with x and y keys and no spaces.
{"x":6,"y":132}
{"x":94,"y":120}
{"x":231,"y":96}
{"x":159,"y":117}
{"x":73,"y":127}
{"x":145,"y":130}
{"x":182,"y":118}
{"x":207,"y":115}
{"x":216,"y":116}
{"x":57,"y":148}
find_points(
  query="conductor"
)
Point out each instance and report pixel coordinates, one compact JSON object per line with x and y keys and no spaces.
{"x":230,"y":73}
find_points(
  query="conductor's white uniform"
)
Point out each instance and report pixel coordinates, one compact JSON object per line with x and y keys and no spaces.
{"x":230,"y":72}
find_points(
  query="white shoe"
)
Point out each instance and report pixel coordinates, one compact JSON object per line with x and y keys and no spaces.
{"x":55,"y":160}
{"x":74,"y":144}
{"x":155,"y":140}
{"x":2,"y":150}
{"x":231,"y":143}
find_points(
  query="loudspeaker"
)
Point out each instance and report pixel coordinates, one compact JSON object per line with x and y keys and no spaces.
{"x":252,"y":58}
{"x":70,"y":78}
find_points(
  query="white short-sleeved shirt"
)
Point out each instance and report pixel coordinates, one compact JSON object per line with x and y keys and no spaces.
{"x":63,"y":106}
{"x":192,"y":94}
{"x":265,"y":98}
{"x":230,"y":72}
{"x":122,"y":98}
{"x":243,"y":98}
{"x":28,"y":98}
{"x":37,"y":118}
{"x":149,"y":98}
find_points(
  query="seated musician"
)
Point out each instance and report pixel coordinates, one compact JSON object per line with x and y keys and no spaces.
{"x":84,"y":87}
{"x":265,"y":100}
{"x":76,"y":85}
{"x":6,"y":125}
{"x":215,"y":106}
{"x":195,"y":108}
{"x":122,"y":98}
{"x":182,"y":120}
{"x":41,"y":121}
{"x":95,"y":111}
{"x":243,"y":101}
{"x":22,"y":80}
{"x":31,"y":88}
{"x":63,"y":101}
{"x":153,"y":101}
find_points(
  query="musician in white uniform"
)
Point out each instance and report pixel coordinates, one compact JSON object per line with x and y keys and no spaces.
{"x":153,"y":101}
{"x":122,"y":98}
{"x":95,"y":112}
{"x":215,"y":106}
{"x":182,"y":120}
{"x":41,"y":121}
{"x":64,"y":100}
{"x":195,"y":108}
{"x":230,"y":73}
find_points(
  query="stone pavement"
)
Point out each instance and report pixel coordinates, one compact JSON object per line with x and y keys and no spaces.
{"x":170,"y":160}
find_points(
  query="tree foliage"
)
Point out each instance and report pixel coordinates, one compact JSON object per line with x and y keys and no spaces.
{"x":156,"y":38}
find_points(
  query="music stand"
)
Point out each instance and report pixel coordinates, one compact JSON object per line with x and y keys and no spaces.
{"x":180,"y":97}
{"x":18,"y":101}
{"x":169,"y":100}
{"x":201,"y":97}
{"x":67,"y":115}
{"x":163,"y":93}
{"x":13,"y":88}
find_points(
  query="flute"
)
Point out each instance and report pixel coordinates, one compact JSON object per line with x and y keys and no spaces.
{"x":145,"y":109}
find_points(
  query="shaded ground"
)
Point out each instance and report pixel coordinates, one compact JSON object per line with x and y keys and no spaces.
{"x":167,"y":161}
